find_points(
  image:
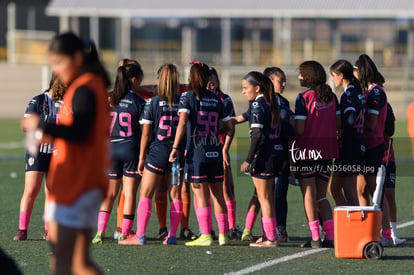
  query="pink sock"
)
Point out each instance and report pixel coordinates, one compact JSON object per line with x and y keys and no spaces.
{"x":210,"y":217}
{"x":222,"y":221}
{"x":387,"y":233}
{"x":250,"y":219}
{"x":176,"y":210}
{"x":328,"y":227}
{"x":269,"y":229}
{"x":314,"y":229}
{"x":103,"y":218}
{"x":202,"y":217}
{"x":24,"y":220}
{"x":231,"y":212}
{"x":144,"y":211}
{"x":127,"y":226}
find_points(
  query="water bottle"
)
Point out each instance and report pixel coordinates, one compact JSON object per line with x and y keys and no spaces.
{"x":32,"y":141}
{"x":175,"y":172}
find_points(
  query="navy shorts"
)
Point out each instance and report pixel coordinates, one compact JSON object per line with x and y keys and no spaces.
{"x":390,"y":175}
{"x":199,"y":172}
{"x":39,"y":163}
{"x":158,"y":160}
{"x":373,"y":159}
{"x":121,"y":168}
{"x":264,"y":167}
{"x":321,"y":169}
{"x":350,"y":161}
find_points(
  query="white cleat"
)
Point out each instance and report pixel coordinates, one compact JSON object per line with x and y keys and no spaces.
{"x":398,"y":241}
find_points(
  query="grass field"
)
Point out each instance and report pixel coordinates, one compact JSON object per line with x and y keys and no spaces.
{"x":154,"y":258}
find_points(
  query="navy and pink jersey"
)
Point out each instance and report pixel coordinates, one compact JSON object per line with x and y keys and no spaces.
{"x":352,"y":104}
{"x":259,"y":116}
{"x":282,"y":101}
{"x":319,"y":140}
{"x":390,"y":119}
{"x":203,"y":143}
{"x":376,"y":104}
{"x":125,"y":130}
{"x":228,"y":105}
{"x":164,"y":120}
{"x":44,"y":106}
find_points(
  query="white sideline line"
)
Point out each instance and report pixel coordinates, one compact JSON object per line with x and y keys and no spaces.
{"x":291,"y":257}
{"x":406,"y":224}
{"x":276,"y":261}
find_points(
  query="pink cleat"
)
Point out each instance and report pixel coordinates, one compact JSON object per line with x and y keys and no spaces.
{"x":133,"y":240}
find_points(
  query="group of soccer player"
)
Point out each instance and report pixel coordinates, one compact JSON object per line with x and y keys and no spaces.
{"x":194,"y":124}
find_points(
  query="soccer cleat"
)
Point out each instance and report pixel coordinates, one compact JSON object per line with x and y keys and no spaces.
{"x":203,"y":240}
{"x":98,"y":239}
{"x":187,"y":234}
{"x":265,"y":243}
{"x":327,"y":243}
{"x":397,"y":241}
{"x":162,"y":233}
{"x":170,"y":241}
{"x":20,"y":236}
{"x":386,"y":242}
{"x":283,"y":236}
{"x":122,"y":237}
{"x":133,"y":240}
{"x":223,"y":239}
{"x":247,"y":236}
{"x":234,"y":234}
{"x":117,"y":233}
{"x":311,"y":244}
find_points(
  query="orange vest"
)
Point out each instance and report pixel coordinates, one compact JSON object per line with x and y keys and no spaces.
{"x":77,"y":167}
{"x":410,"y":120}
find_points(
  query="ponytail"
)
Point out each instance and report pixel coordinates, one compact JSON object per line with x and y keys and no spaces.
{"x":123,"y":82}
{"x":314,"y":75}
{"x":266,"y":88}
{"x":270,"y":97}
{"x":199,"y":77}
{"x":168,"y":83}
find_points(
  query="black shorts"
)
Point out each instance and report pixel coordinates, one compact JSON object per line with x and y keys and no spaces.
{"x":350,"y":161}
{"x":321,"y":169}
{"x":373,"y":159}
{"x":121,"y":168}
{"x":390,"y":175}
{"x":39,"y":163}
{"x":264,"y":166}
{"x":199,"y":172}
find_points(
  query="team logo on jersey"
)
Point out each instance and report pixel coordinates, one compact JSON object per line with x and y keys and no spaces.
{"x":30,"y":161}
{"x":212,"y":154}
{"x":255,"y":104}
{"x":376,"y":91}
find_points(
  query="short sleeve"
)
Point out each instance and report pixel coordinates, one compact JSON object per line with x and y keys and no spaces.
{"x":375,"y":101}
{"x":147,"y":114}
{"x":300,"y":108}
{"x":184,"y":103}
{"x":256,"y":115}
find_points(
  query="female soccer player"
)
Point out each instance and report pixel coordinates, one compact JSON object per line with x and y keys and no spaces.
{"x":343,"y":185}
{"x":159,"y":121}
{"x":200,"y":112}
{"x":371,"y":82}
{"x":125,"y":132}
{"x":317,"y":120}
{"x":228,"y":184}
{"x":45,"y":105}
{"x":76,"y":178}
{"x":278,"y":78}
{"x":264,"y":156}
{"x":389,"y":227}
